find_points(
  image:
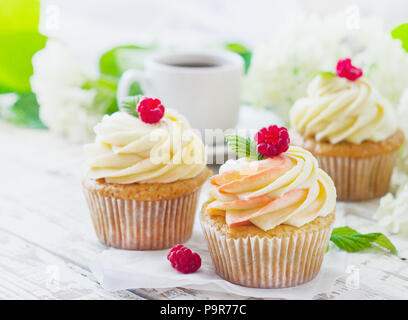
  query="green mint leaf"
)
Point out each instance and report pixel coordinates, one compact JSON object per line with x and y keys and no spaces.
{"x":260,"y":156}
{"x":24,"y":112}
{"x":383,"y":242}
{"x":344,"y":231}
{"x":324,"y":74}
{"x":350,"y":244}
{"x":19,"y":41}
{"x":243,"y":147}
{"x":401,"y":33}
{"x":351,"y":240}
{"x":129,"y":105}
{"x":244,"y":52}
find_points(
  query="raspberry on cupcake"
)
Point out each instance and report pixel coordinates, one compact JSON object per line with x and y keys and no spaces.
{"x":272,"y":141}
{"x":269,"y":215}
{"x":141,"y":187}
{"x":150,"y":110}
{"x":351,"y":129}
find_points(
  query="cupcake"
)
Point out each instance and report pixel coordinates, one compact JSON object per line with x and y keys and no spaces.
{"x":351,"y":129}
{"x":269,"y":216}
{"x":144,"y":173}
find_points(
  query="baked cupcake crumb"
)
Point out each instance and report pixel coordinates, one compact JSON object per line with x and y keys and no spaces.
{"x":346,"y":149}
{"x":280,"y":231}
{"x":147,"y":191}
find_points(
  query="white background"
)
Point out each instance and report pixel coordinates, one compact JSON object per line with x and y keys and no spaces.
{"x":92,"y":26}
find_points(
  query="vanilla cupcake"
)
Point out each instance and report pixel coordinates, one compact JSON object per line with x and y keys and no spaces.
{"x":351,"y":129}
{"x":268,"y":221}
{"x":144,"y":173}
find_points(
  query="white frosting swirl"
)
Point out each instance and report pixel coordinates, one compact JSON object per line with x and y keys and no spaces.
{"x":289,"y":189}
{"x":127,"y":150}
{"x":337,"y":109}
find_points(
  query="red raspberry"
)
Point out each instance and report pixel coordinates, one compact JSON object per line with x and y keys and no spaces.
{"x":183,"y":259}
{"x":346,"y":70}
{"x":150,"y":110}
{"x":272,"y":141}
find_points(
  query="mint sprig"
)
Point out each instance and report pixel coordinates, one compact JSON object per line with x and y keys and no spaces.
{"x":324,"y":74}
{"x":351,"y":240}
{"x":243,"y":147}
{"x":129,"y":105}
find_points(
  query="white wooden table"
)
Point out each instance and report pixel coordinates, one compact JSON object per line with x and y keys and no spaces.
{"x":47,"y":239}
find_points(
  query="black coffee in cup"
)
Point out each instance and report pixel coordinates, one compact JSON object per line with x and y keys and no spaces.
{"x":194,"y":65}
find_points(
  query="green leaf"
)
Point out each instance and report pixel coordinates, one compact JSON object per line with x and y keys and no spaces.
{"x":129,"y":105}
{"x":24,"y":112}
{"x":324,"y":74}
{"x":19,"y":15}
{"x":117,"y":60}
{"x":344,"y":231}
{"x":350,"y":243}
{"x":401,"y":32}
{"x":105,"y":99}
{"x":135,"y":89}
{"x":243,"y":147}
{"x":351,"y":240}
{"x":19,"y":41}
{"x":244,"y":52}
{"x":382,"y":241}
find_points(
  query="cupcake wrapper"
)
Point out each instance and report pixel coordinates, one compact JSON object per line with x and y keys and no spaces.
{"x":267,"y":262}
{"x":359,"y":178}
{"x":142,"y":225}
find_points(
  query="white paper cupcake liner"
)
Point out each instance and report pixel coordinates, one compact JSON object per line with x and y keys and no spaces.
{"x":359,"y":178}
{"x":267,"y":262}
{"x":142,"y":225}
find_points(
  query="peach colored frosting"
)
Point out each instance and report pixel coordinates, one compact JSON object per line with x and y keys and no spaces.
{"x":289,"y":189}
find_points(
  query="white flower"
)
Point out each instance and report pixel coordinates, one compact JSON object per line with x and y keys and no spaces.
{"x":393,"y":212}
{"x":400,"y":174}
{"x":7,"y":100}
{"x":403,"y":112}
{"x":281,"y":69}
{"x":65,"y":106}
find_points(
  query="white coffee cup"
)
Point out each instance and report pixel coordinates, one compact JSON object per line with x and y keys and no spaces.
{"x":204,"y":87}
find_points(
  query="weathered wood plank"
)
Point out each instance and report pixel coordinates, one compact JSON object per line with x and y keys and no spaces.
{"x":42,"y":198}
{"x":29,"y":272}
{"x":41,"y":203}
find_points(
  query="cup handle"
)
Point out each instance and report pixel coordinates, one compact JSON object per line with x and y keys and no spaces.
{"x":126,"y":80}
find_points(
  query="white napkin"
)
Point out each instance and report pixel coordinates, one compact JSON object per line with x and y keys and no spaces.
{"x":124,"y":269}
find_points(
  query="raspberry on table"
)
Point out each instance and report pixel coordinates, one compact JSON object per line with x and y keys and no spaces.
{"x":183,"y":259}
{"x":272,"y":141}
